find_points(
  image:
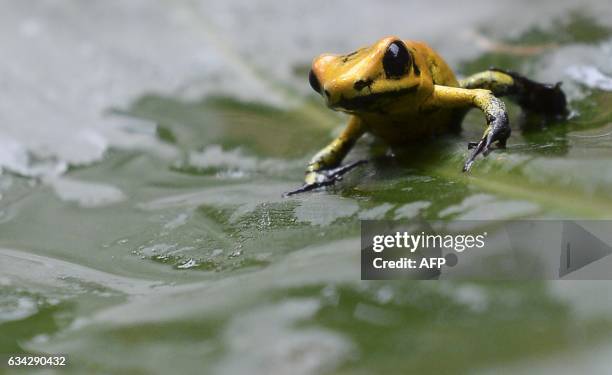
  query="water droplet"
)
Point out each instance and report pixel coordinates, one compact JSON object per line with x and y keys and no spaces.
{"x":188,"y":264}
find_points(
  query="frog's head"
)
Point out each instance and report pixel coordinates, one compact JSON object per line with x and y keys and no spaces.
{"x":370,"y":79}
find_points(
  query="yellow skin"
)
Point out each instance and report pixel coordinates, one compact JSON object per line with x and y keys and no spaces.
{"x":402,"y":91}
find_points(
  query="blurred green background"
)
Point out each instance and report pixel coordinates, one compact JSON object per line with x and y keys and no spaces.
{"x":144,"y":148}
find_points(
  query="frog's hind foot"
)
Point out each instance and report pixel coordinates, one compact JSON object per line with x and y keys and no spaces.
{"x":325,"y":178}
{"x":544,"y":98}
{"x":532,"y":96}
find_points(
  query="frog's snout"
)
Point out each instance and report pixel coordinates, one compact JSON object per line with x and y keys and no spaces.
{"x":339,"y":80}
{"x":316,"y":85}
{"x":319,"y":74}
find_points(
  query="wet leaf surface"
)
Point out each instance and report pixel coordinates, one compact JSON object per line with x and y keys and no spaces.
{"x":178,"y":243}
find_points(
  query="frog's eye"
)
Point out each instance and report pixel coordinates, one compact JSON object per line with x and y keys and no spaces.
{"x":396,"y":61}
{"x":314,"y":81}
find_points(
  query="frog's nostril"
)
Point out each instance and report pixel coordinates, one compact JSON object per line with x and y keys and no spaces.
{"x":314,"y":81}
{"x":362,"y":83}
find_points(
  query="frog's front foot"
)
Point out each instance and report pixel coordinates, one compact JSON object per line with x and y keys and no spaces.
{"x":484,"y":147}
{"x":324,"y":177}
{"x":498,"y":130}
{"x":481,"y":147}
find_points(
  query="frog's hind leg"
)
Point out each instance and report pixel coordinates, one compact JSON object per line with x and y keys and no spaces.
{"x":547,"y":99}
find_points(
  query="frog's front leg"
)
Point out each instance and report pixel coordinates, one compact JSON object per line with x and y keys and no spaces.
{"x":323,"y":168}
{"x":498,"y":130}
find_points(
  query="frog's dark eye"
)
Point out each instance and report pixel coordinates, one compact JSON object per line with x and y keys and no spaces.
{"x":397,"y":60}
{"x":314,"y":81}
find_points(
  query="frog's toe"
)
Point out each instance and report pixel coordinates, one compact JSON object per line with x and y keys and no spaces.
{"x":481,"y":147}
{"x":302,"y":189}
{"x":337,"y":173}
{"x":323,"y":178}
{"x":477,"y":148}
{"x":484,"y":147}
{"x":471,"y":145}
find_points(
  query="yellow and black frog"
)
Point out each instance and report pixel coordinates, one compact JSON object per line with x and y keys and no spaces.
{"x":402,"y":91}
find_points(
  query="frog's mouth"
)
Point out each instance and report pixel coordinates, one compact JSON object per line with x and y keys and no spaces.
{"x":371,"y":102}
